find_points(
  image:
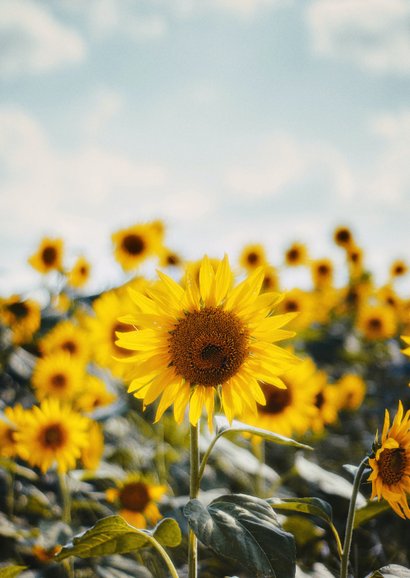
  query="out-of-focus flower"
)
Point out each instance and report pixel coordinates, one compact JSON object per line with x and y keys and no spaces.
{"x":391,"y":463}
{"x":66,"y":337}
{"x":80,"y":273}
{"x":58,"y":375}
{"x":169,"y":258}
{"x":270,"y":279}
{"x":398,"y":268}
{"x":207,"y":338}
{"x":92,"y":453}
{"x":352,"y":390}
{"x":354,"y":258}
{"x":376,"y":322}
{"x":343,"y":237}
{"x":296,"y":255}
{"x":252,"y":256}
{"x":22,"y":316}
{"x":135,"y":244}
{"x":299,"y":302}
{"x":328,"y":404}
{"x":49,"y":256}
{"x":322,"y":273}
{"x":14,"y":420}
{"x":93,"y":395}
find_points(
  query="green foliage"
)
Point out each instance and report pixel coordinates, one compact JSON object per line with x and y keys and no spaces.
{"x":11,"y":571}
{"x":244,"y":529}
{"x":391,"y":571}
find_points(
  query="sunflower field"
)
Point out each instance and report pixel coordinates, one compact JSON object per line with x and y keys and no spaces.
{"x":204,"y":421}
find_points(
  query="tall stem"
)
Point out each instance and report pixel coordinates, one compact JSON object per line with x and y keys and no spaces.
{"x":350,"y":518}
{"x":193,"y":493}
{"x":66,"y":498}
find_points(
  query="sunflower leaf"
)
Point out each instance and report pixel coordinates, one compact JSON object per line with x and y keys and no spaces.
{"x":391,"y":571}
{"x":11,"y":571}
{"x":168,"y":533}
{"x":371,"y":510}
{"x":244,"y":529}
{"x":313,"y":506}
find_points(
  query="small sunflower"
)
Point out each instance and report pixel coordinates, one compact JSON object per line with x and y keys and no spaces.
{"x":352,"y":390}
{"x":135,"y":244}
{"x":398,"y":268}
{"x":343,"y":237}
{"x":80,"y":273}
{"x":327,"y":402}
{"x":66,"y":337}
{"x":49,"y":256}
{"x":169,"y":258}
{"x":23,"y":316}
{"x":58,"y":375}
{"x":93,"y":395}
{"x":270,"y":279}
{"x":137,"y":500}
{"x":386,"y":295}
{"x":296,"y":255}
{"x":290,"y":411}
{"x":52,"y":434}
{"x":390,"y":465}
{"x":204,"y":339}
{"x":298,"y":302}
{"x":252,"y":256}
{"x":377,"y":322}
{"x":322,"y":273}
{"x":354,"y":258}
{"x":14,"y":421}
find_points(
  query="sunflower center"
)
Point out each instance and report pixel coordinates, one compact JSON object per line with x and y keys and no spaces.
{"x":319,"y":400}
{"x":208,"y":347}
{"x":134,"y":496}
{"x":276,"y":399}
{"x":399,"y":270}
{"x":323,"y":270}
{"x":354,"y":257}
{"x":374,"y":324}
{"x":58,"y":381}
{"x":53,"y":437}
{"x":392,"y":463}
{"x":49,"y":255}
{"x":69,"y":346}
{"x":133,"y":244}
{"x":19,"y":309}
{"x":290,"y":305}
{"x":343,"y":236}
{"x":9,"y":435}
{"x":293,"y":255}
{"x":252,"y":258}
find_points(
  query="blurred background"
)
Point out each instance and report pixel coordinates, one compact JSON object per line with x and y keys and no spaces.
{"x":234,"y":121}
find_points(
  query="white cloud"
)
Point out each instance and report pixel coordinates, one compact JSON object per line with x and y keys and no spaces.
{"x":34,"y":41}
{"x":374,"y":34}
{"x":106,"y":105}
{"x":246,"y":8}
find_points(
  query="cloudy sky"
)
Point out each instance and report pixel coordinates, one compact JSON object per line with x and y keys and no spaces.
{"x":235,"y":121}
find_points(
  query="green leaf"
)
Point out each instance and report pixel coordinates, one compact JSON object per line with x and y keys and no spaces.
{"x":244,"y":529}
{"x":11,"y":571}
{"x":168,"y":533}
{"x":11,"y":466}
{"x":391,"y":571}
{"x":223,"y":428}
{"x":313,"y":506}
{"x":113,"y":535}
{"x":371,"y":510}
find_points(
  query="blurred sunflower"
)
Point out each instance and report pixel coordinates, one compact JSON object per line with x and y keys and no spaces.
{"x":66,"y":337}
{"x":354,"y":258}
{"x":377,"y":322}
{"x":204,"y":339}
{"x":135,"y":244}
{"x":343,"y":237}
{"x":58,"y":375}
{"x":327,"y":402}
{"x":49,"y":256}
{"x":136,"y":498}
{"x":169,"y":258}
{"x":398,"y":268}
{"x":390,"y":465}
{"x":352,"y":390}
{"x":298,"y":302}
{"x":92,"y":453}
{"x":296,"y":255}
{"x":94,"y":394}
{"x":270,"y":279}
{"x":291,"y":410}
{"x":80,"y":273}
{"x":52,"y":434}
{"x":22,"y":316}
{"x":322,"y":273}
{"x":252,"y":256}
{"x":386,"y":295}
{"x":15,"y":417}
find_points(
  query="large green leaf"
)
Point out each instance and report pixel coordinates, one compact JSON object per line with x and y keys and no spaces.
{"x":113,"y":535}
{"x":391,"y":571}
{"x":371,"y":510}
{"x":244,"y":529}
{"x":11,"y":571}
{"x":313,"y":506}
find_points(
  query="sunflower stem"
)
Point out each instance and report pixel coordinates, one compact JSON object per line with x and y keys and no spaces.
{"x":350,"y":519}
{"x":66,"y":499}
{"x":193,"y":493}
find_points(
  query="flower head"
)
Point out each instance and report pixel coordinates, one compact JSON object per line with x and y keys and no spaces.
{"x":49,"y":256}
{"x":135,"y":244}
{"x":296,"y":255}
{"x":252,"y":256}
{"x":80,"y":273}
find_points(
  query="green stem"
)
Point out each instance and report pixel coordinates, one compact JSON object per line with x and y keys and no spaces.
{"x":165,"y":556}
{"x":350,"y":518}
{"x":66,"y":498}
{"x":193,"y":493}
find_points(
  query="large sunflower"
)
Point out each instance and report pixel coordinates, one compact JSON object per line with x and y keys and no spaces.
{"x":49,"y":256}
{"x":206,"y":338}
{"x":52,"y":433}
{"x":58,"y":375}
{"x":134,"y":244}
{"x":391,"y":464}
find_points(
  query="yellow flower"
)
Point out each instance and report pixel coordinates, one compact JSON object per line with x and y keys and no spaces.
{"x":289,"y":411}
{"x":23,"y":316}
{"x":52,"y":434}
{"x":352,"y":390}
{"x":328,"y":404}
{"x":66,"y":337}
{"x":391,"y":464}
{"x":398,"y":268}
{"x":298,"y":302}
{"x":343,"y":237}
{"x":58,"y":375}
{"x":49,"y":256}
{"x":93,"y":395}
{"x":377,"y":322}
{"x":322,"y":273}
{"x":15,"y":417}
{"x":137,"y":498}
{"x":91,"y":454}
{"x":296,"y":255}
{"x":354,"y":257}
{"x":169,"y":258}
{"x":252,"y":256}
{"x":80,"y":273}
{"x":134,"y":244}
{"x":206,"y":338}
{"x":270,"y":279}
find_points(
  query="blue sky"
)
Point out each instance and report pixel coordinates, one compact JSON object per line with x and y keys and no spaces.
{"x":235,"y":121}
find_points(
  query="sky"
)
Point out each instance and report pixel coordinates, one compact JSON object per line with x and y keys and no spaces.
{"x":234,"y":121}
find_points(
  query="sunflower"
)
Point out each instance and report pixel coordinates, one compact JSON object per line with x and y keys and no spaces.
{"x":252,"y":256}
{"x":327,"y":402}
{"x":296,"y":255}
{"x":14,"y":421}
{"x":93,"y":395}
{"x":103,"y":327}
{"x":352,"y":390}
{"x":134,"y":244}
{"x":49,"y":256}
{"x":291,"y":410}
{"x":343,"y":237}
{"x":206,"y":338}
{"x":23,"y":316}
{"x":53,"y":433}
{"x":298,"y":302}
{"x":270,"y":279}
{"x":322,"y":273}
{"x":66,"y":337}
{"x":169,"y":258}
{"x":391,"y":463}
{"x":398,"y":268}
{"x":386,"y":295}
{"x":354,"y":258}
{"x":58,"y":375}
{"x":80,"y":273}
{"x":377,"y":322}
{"x":136,"y":499}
